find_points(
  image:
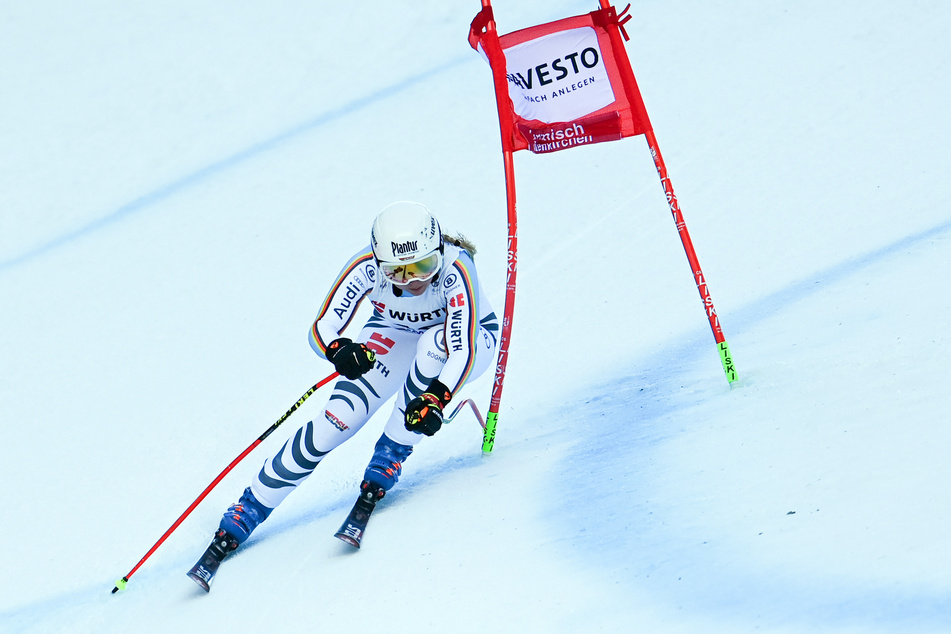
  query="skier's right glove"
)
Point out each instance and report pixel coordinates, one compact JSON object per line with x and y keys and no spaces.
{"x":424,"y":413}
{"x":352,"y":360}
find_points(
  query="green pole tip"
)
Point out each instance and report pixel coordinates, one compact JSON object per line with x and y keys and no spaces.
{"x":120,"y":585}
{"x":726,"y":358}
{"x":488,"y":437}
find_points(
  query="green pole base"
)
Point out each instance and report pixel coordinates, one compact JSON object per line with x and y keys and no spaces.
{"x":727,"y":360}
{"x":488,"y":437}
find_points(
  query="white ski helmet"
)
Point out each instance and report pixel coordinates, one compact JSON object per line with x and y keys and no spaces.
{"x":407,"y":242}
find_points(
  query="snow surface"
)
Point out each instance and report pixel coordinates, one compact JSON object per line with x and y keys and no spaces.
{"x":179,"y":182}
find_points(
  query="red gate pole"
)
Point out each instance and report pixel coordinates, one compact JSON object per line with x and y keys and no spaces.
{"x":491,"y":419}
{"x":485,"y":22}
{"x":726,"y":358}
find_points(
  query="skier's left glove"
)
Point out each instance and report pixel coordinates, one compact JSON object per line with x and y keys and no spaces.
{"x":424,"y":413}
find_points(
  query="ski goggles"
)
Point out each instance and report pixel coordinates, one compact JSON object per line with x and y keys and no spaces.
{"x":419,"y":271}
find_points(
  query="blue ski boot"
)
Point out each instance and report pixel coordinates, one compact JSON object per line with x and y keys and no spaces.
{"x":236,"y":525}
{"x":244,"y":516}
{"x":382,"y":473}
{"x":386,"y":465}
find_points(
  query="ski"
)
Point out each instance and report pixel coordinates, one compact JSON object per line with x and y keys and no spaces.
{"x":203,"y":572}
{"x":354,"y":527}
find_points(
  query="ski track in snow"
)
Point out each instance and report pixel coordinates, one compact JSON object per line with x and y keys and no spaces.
{"x":161,"y":194}
{"x":831,"y":604}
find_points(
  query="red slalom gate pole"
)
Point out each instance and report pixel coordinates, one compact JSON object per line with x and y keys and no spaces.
{"x":726,"y":358}
{"x":121,"y":583}
{"x":505,"y":111}
{"x":508,"y":312}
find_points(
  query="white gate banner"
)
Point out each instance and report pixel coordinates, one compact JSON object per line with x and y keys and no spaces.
{"x":558,"y":77}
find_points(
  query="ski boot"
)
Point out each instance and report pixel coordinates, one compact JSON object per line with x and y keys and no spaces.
{"x":243,"y":516}
{"x":386,"y":464}
{"x":236,"y":526}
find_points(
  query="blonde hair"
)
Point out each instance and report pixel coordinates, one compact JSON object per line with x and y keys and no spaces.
{"x":462,"y":242}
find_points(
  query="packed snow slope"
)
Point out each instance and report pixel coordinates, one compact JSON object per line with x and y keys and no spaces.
{"x":180,"y":181}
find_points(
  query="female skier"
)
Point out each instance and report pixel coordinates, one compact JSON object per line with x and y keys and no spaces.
{"x":431,"y":330}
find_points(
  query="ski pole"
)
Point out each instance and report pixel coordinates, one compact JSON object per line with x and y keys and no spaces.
{"x":475,"y":410}
{"x":121,"y":583}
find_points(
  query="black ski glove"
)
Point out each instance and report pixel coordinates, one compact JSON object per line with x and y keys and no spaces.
{"x":352,"y":360}
{"x":424,"y":413}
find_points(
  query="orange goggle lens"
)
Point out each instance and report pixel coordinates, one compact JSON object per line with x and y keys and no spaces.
{"x":421,"y":270}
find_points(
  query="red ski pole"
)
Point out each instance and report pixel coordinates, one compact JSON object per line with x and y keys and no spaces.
{"x":121,"y":583}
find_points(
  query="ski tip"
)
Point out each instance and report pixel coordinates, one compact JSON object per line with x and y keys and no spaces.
{"x":202,"y":583}
{"x":348,"y":539}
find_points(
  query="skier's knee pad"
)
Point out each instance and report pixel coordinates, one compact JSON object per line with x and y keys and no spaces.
{"x":387,"y":462}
